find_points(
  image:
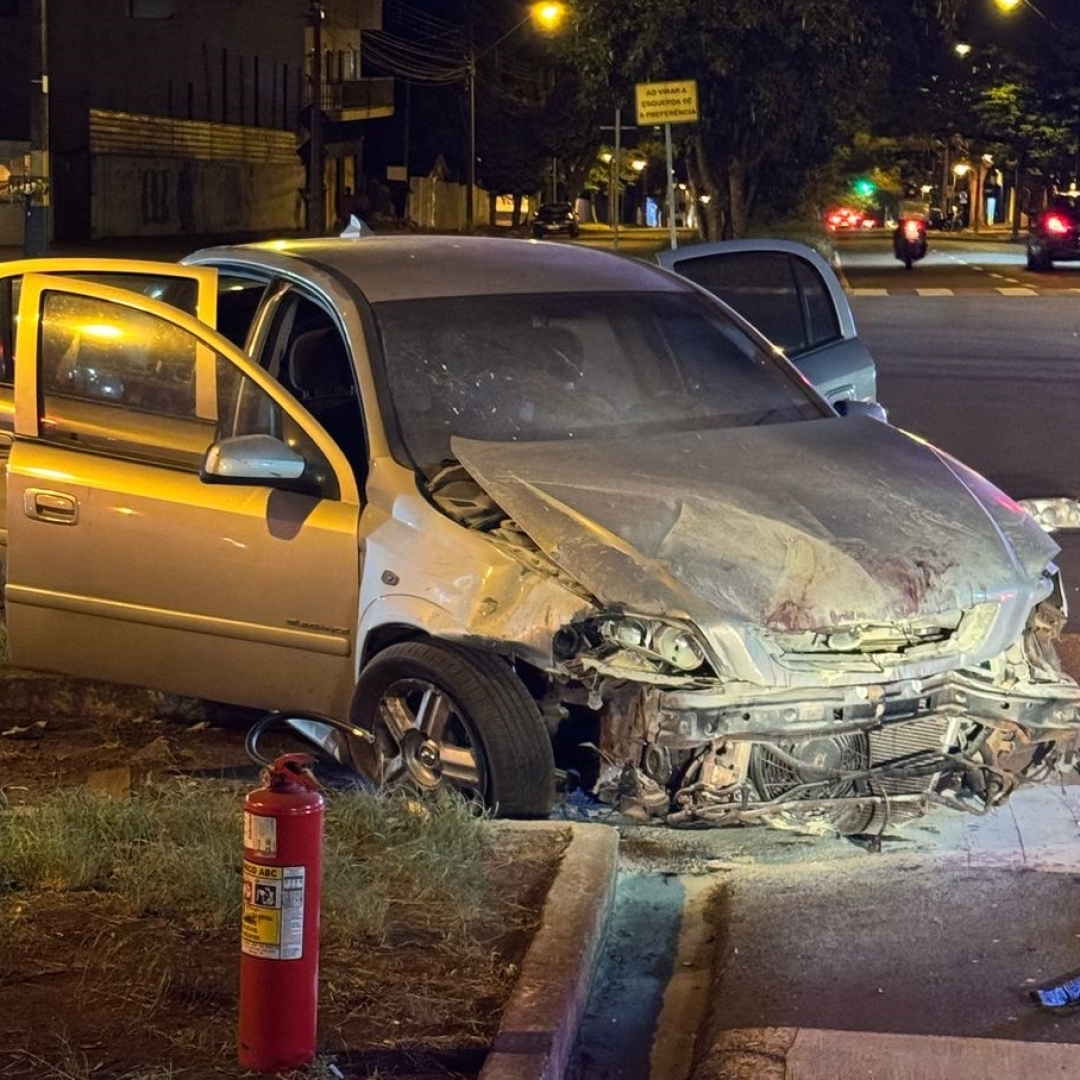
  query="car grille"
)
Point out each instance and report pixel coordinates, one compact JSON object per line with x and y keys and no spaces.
{"x":854,"y":646}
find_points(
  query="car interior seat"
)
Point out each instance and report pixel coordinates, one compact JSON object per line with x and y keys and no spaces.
{"x":320,"y":375}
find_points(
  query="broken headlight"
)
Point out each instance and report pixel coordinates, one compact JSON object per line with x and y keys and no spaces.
{"x":635,"y":643}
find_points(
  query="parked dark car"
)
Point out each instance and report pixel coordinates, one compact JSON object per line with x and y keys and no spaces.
{"x":1055,"y":234}
{"x":555,"y":218}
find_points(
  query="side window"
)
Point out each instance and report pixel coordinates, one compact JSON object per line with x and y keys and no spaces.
{"x":8,"y":307}
{"x":308,"y":354}
{"x":119,"y":381}
{"x":760,"y":286}
{"x":823,"y":324}
{"x":136,"y":360}
{"x":238,"y":304}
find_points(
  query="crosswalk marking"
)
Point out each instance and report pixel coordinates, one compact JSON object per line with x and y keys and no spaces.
{"x":1001,"y":290}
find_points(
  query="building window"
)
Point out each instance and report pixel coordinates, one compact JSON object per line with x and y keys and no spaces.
{"x":151,"y":9}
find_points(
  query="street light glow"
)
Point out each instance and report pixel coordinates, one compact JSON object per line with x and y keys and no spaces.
{"x":1008,"y":5}
{"x":549,"y":14}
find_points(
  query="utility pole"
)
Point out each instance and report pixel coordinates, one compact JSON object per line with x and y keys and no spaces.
{"x":316,"y":204}
{"x":36,"y":196}
{"x":470,"y":165}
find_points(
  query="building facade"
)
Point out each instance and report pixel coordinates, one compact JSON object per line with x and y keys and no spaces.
{"x":182,"y":116}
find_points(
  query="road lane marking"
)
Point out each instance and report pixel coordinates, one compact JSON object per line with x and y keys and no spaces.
{"x":934,"y":292}
{"x":1019,"y":290}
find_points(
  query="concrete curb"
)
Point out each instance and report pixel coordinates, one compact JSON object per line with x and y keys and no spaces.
{"x":540,"y":1021}
{"x":809,"y":1054}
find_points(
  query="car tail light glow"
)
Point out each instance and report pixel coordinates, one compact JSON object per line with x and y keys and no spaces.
{"x":1054,"y":223}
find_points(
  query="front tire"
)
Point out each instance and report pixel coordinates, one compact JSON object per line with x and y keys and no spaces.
{"x":444,"y":716}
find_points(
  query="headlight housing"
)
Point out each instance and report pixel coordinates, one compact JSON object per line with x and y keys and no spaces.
{"x":637,"y":644}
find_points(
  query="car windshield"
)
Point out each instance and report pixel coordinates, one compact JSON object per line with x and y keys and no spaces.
{"x":527,"y":367}
{"x":554,"y":210}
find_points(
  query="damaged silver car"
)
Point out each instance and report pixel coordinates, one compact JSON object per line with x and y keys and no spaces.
{"x":537,"y":518}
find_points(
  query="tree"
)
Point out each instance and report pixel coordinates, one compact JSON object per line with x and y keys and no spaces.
{"x":780,"y":85}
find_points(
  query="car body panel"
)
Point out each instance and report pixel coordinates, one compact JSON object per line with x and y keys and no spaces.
{"x":888,"y":533}
{"x":138,"y":274}
{"x":120,"y":566}
{"x":791,"y":294}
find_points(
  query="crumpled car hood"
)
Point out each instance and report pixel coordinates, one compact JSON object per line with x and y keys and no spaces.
{"x":795,"y":526}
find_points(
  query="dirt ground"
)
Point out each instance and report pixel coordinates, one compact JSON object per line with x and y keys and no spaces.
{"x":89,"y":992}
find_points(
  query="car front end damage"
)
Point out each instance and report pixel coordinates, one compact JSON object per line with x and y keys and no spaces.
{"x":856,"y":758}
{"x":739,"y":668}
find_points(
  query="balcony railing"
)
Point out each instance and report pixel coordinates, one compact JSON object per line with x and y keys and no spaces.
{"x":358,"y":99}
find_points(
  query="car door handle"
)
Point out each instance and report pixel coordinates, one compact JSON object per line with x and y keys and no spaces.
{"x":52,"y":506}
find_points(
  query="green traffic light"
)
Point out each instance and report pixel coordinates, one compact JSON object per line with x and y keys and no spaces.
{"x":864,"y":187}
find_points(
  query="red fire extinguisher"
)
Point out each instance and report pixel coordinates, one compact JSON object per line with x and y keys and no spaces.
{"x":279,"y":941}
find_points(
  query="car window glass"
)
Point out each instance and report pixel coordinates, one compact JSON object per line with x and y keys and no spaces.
{"x":244,"y":408}
{"x":180,"y":292}
{"x":7,"y":357}
{"x":760,"y":286}
{"x":121,"y":381}
{"x":822,"y":320}
{"x":574,"y":366}
{"x":238,"y":303}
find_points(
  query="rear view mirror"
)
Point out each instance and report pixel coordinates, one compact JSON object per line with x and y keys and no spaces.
{"x":251,"y":459}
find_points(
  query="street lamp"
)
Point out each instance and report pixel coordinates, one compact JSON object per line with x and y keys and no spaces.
{"x":1007,"y":7}
{"x":546,"y":16}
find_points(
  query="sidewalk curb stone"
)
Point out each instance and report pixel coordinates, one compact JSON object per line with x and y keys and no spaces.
{"x":539,"y":1024}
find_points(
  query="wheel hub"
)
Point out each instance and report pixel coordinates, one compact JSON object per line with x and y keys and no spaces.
{"x":422,"y":759}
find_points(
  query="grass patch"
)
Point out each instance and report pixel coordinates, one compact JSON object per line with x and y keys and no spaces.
{"x":175,"y":850}
{"x":120,"y":925}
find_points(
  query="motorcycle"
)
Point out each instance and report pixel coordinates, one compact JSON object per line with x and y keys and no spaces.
{"x":909,"y":241}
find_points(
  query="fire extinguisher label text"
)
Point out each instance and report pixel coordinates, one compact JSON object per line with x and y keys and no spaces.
{"x":260,"y":834}
{"x":272,"y":925}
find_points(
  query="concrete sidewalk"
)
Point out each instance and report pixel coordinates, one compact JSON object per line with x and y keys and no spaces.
{"x":1038,"y":831}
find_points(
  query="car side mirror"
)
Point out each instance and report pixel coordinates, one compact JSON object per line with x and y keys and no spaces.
{"x":1054,"y":514}
{"x":252,"y":459}
{"x":873,"y":409}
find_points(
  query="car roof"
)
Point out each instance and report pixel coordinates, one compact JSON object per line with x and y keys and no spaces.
{"x":422,"y":267}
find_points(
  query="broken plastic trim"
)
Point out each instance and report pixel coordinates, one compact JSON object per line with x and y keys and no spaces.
{"x":1056,"y":514}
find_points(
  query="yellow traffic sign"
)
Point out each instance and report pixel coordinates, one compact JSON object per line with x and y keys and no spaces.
{"x":666,"y":102}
